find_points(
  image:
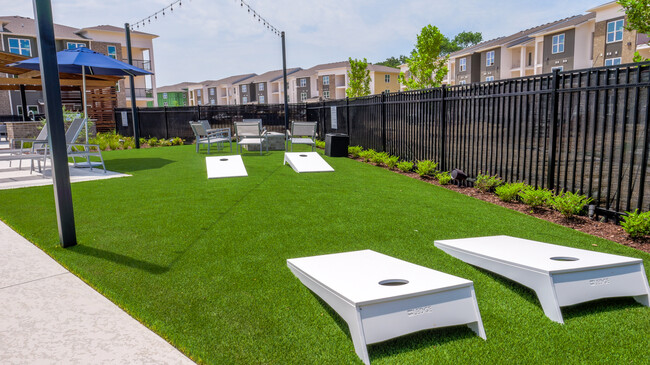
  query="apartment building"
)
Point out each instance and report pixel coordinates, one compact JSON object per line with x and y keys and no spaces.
{"x":332,"y":80}
{"x":216,"y":92}
{"x":18,"y":35}
{"x":263,"y":89}
{"x":173,"y":95}
{"x":598,"y":38}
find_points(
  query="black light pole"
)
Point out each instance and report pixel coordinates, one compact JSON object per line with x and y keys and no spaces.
{"x":286,"y":96}
{"x":54,"y":115}
{"x":136,"y":126}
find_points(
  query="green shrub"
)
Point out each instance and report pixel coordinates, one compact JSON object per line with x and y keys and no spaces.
{"x":378,"y":158}
{"x":367,"y":155}
{"x":569,"y":204}
{"x":355,"y":151}
{"x":143,"y":141}
{"x":636,"y":224}
{"x":486,"y":183}
{"x":319,"y":143}
{"x":405,"y":166}
{"x":444,"y":178}
{"x":391,"y":161}
{"x":152,"y":142}
{"x":129,"y":142}
{"x":535,"y":198}
{"x":178,"y":141}
{"x":509,"y":192}
{"x":426,"y":168}
{"x":113,"y":144}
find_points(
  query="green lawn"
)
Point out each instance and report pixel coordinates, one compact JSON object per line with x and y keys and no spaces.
{"x":203,"y":262}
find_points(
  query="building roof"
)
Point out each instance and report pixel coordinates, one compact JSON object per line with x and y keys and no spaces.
{"x":111,"y":28}
{"x":20,"y":25}
{"x":346,"y":64}
{"x":269,"y":76}
{"x":228,"y":80}
{"x":174,"y":88}
{"x":569,"y":23}
{"x":605,"y":5}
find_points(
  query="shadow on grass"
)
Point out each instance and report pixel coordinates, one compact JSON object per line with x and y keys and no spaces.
{"x":597,"y":307}
{"x":523,"y":291}
{"x":137,"y":164}
{"x":407,"y":343}
{"x":119,"y":259}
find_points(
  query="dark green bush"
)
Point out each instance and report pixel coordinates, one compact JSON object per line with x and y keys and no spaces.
{"x":509,"y":192}
{"x":355,"y":151}
{"x":426,"y":168}
{"x":636,"y":224}
{"x":391,"y":161}
{"x":443,"y":178}
{"x":569,"y":204}
{"x":378,"y":158}
{"x":405,"y":166}
{"x":367,"y":155}
{"x":486,"y":183}
{"x":535,"y":198}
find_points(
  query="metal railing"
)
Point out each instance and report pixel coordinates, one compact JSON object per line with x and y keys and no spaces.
{"x":140,"y":92}
{"x":143,"y":64}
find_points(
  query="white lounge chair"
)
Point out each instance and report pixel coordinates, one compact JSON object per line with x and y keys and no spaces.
{"x":301,"y":133}
{"x":218,"y":137}
{"x":250,"y":133}
{"x":81,"y":150}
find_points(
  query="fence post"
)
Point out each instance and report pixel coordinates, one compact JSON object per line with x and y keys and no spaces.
{"x":347,"y":115}
{"x":383,"y":121}
{"x":550,"y":178}
{"x":443,"y":129}
{"x":166,"y":123}
{"x":198,"y":112}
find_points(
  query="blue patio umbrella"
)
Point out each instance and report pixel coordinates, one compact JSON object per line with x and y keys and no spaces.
{"x":85,"y":61}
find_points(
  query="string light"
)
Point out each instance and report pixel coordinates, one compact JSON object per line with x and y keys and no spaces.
{"x":260,"y":19}
{"x":147,"y":20}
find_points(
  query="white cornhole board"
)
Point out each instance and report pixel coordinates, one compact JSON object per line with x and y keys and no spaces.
{"x":306,"y":162}
{"x":561,"y":276}
{"x":350,"y":283}
{"x":225,"y":166}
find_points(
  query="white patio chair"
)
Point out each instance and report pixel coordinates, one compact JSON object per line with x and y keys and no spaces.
{"x":210,"y":130}
{"x":250,"y":133}
{"x":81,"y":150}
{"x":203,"y":137}
{"x":301,"y":133}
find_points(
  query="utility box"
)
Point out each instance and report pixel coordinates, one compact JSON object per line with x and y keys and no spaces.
{"x":336,"y":144}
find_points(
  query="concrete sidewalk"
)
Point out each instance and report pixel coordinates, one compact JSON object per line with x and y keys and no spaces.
{"x":49,"y":316}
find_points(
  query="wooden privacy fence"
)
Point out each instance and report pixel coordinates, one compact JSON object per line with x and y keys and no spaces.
{"x":583,"y":131}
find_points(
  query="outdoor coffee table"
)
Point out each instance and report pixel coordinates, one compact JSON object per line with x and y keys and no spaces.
{"x":561,"y":276}
{"x":381,"y":297}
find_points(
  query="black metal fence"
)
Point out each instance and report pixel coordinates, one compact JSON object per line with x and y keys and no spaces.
{"x":582,"y":130}
{"x":169,"y":122}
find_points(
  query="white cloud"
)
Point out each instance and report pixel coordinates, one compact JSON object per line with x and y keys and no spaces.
{"x":208,"y":39}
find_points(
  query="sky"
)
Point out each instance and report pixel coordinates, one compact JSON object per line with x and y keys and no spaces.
{"x":214,"y":39}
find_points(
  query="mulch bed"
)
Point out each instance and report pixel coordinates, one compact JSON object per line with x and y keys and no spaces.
{"x":609,"y":231}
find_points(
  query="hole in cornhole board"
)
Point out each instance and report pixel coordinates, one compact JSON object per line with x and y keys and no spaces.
{"x":393,"y":282}
{"x":225,"y":166}
{"x":306,"y":162}
{"x":564,"y":258}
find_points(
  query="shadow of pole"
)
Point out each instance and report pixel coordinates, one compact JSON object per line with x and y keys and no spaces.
{"x":119,"y":259}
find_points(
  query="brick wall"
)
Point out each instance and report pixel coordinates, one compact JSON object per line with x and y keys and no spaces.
{"x":102,"y":47}
{"x":5,"y":108}
{"x":23,"y":130}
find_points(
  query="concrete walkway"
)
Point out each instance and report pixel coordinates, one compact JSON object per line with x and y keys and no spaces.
{"x":49,"y":316}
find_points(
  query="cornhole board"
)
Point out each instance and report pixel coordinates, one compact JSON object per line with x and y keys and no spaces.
{"x":225,"y":166}
{"x":559,"y":275}
{"x":381,"y":297}
{"x":306,"y":162}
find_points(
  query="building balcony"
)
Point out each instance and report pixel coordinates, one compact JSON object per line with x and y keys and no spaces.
{"x":143,"y":64}
{"x":140,"y":92}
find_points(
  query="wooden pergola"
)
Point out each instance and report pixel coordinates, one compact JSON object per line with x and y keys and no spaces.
{"x":101,"y":94}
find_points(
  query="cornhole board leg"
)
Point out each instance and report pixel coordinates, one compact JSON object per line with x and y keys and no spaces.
{"x":306,"y":162}
{"x":560,"y":288}
{"x":384,"y":318}
{"x":225,"y":166}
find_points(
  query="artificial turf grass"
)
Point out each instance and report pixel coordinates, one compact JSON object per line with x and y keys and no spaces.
{"x":203,"y":262}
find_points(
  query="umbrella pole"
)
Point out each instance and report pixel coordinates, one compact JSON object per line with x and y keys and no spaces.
{"x":83,"y":80}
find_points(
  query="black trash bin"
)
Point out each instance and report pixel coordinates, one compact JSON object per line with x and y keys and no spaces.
{"x":336,"y":144}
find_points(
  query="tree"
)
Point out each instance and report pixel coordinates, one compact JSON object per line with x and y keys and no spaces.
{"x":426,"y":64}
{"x":393,"y":62}
{"x":460,"y":41}
{"x":359,"y":79}
{"x":638,"y":18}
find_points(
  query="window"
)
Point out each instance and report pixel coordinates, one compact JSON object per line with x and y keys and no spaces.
{"x":462,"y":64}
{"x":261,"y":98}
{"x":613,"y":61}
{"x":303,"y":82}
{"x":112,"y":52}
{"x":387,"y":91}
{"x":462,"y":82}
{"x":558,"y":43}
{"x":164,"y":95}
{"x":198,"y":92}
{"x":326,"y":80}
{"x":212,"y":102}
{"x":303,"y":96}
{"x":244,"y":88}
{"x":489,"y":78}
{"x":261,"y":87}
{"x":73,"y":45}
{"x":211,"y":91}
{"x":530,"y":58}
{"x":386,"y":78}
{"x":326,"y":94}
{"x":489,"y":59}
{"x":20,"y":46}
{"x":615,"y":31}
{"x":165,"y":104}
{"x":561,"y":68}
{"x":117,"y":87}
{"x":31,"y":109}
{"x":244,"y":99}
